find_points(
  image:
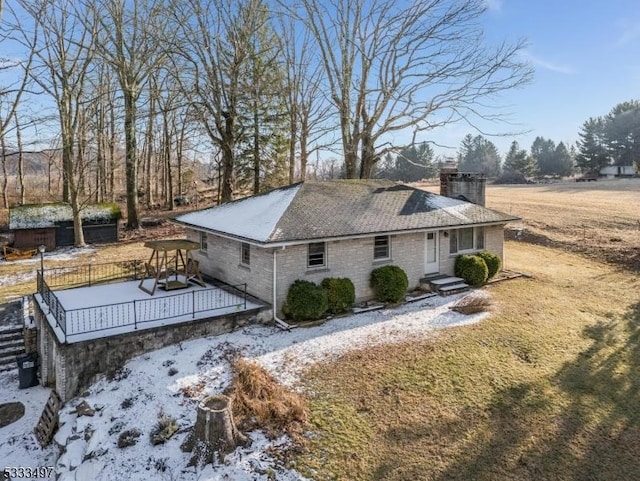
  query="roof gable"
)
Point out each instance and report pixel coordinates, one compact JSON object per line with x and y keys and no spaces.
{"x":339,"y":208}
{"x":253,"y":217}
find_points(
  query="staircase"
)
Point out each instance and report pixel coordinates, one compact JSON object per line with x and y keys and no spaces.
{"x":11,"y":334}
{"x":445,"y":285}
{"x":11,"y":345}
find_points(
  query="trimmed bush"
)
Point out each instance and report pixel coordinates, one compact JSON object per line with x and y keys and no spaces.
{"x":389,"y":283}
{"x":341,"y":294}
{"x":473,"y":269}
{"x":493,"y":262}
{"x":305,"y":301}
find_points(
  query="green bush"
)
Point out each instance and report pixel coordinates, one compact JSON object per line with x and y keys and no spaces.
{"x":389,"y":283}
{"x":493,"y":262}
{"x":305,"y":301}
{"x":473,"y":269}
{"x":341,"y":294}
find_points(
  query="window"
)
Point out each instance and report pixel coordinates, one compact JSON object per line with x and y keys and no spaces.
{"x":381,"y":249}
{"x":203,"y":241}
{"x":317,"y":254}
{"x":467,"y":239}
{"x":245,"y":254}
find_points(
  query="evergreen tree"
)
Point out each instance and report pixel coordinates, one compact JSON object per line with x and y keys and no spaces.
{"x":518,"y":160}
{"x":478,"y":154}
{"x":622,"y":133}
{"x":563,"y":160}
{"x":543,"y":154}
{"x":592,"y":150}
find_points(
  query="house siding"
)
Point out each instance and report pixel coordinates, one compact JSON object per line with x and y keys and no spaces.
{"x":352,"y":258}
{"x":222,"y":261}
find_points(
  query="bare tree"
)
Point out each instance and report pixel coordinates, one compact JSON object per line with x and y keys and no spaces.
{"x":393,"y":66}
{"x":307,"y":107}
{"x":131,"y":40}
{"x":216,"y":44}
{"x":65,"y":53}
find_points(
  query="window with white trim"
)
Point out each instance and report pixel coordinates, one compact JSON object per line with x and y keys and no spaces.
{"x":203,"y":241}
{"x":317,"y":254}
{"x":381,"y":247}
{"x":467,"y":239}
{"x":245,"y":254}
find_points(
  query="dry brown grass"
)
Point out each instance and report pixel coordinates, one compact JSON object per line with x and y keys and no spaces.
{"x":545,"y":389}
{"x":600,"y":219}
{"x":260,"y":402}
{"x":473,"y":303}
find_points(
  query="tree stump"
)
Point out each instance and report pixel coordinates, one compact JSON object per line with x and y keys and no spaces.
{"x":215,"y":434}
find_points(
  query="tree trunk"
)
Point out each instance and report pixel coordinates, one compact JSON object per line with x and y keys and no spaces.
{"x":20,"y":159}
{"x":214,"y":434}
{"x":5,"y":178}
{"x":131,"y":165}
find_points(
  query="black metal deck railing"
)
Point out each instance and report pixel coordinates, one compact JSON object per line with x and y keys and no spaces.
{"x":135,"y":313}
{"x":90,"y":274}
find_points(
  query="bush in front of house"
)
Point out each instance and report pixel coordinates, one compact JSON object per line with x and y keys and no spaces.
{"x":341,"y":294}
{"x":472,"y":269}
{"x":389,"y":283}
{"x":305,"y":301}
{"x":493,"y":262}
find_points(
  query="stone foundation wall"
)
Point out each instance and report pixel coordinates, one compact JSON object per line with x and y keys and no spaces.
{"x":71,"y":368}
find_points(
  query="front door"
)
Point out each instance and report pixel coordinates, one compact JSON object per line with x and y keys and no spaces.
{"x":431,"y":253}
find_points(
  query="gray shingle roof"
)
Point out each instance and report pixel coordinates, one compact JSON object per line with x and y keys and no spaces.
{"x":339,"y":208}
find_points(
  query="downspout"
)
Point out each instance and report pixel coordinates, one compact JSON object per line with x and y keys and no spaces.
{"x":279,"y":322}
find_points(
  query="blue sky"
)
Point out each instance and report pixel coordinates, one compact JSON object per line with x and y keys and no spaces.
{"x":586,"y":56}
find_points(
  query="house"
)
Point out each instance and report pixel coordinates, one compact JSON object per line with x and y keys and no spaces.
{"x":343,"y":228}
{"x":51,"y":225}
{"x":619,"y":171}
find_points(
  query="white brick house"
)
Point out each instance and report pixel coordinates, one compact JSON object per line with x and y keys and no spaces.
{"x":343,"y":228}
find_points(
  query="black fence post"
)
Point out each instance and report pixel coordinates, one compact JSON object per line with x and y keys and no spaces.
{"x":135,"y":315}
{"x":245,"y":295}
{"x":193,"y":304}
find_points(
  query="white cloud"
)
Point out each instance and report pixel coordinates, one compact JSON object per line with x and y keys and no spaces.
{"x":493,"y":5}
{"x":545,"y":64}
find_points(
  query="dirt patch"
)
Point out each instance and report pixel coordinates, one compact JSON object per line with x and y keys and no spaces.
{"x":10,"y":413}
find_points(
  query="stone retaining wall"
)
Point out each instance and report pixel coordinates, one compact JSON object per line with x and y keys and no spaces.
{"x":71,"y":368}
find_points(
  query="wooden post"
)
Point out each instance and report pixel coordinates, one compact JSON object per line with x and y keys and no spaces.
{"x":215,"y":433}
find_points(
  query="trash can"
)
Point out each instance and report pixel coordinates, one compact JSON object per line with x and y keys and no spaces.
{"x":28,"y":370}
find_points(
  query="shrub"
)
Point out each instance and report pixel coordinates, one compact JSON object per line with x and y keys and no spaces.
{"x":305,"y":301}
{"x":493,"y":262}
{"x":389,"y":283}
{"x":472,"y":269}
{"x":128,"y":438}
{"x":164,"y":429}
{"x":341,"y":294}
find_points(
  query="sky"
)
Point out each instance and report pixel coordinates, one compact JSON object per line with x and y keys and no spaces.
{"x":586,"y":56}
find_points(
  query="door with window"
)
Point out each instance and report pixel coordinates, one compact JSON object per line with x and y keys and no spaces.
{"x":431,"y":253}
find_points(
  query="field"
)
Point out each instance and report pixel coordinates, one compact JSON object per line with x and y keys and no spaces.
{"x":544,"y":389}
{"x":599,"y":219}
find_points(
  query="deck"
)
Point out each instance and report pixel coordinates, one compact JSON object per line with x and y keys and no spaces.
{"x":108,"y":309}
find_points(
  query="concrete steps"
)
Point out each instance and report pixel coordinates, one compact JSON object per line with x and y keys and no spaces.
{"x":11,"y":345}
{"x":445,"y":285}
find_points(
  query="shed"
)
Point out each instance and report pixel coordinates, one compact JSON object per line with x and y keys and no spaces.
{"x":51,"y":225}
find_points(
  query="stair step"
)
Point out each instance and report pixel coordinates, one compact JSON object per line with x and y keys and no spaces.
{"x":10,"y":358}
{"x":8,"y":367}
{"x":11,"y":337}
{"x":10,"y":330}
{"x":10,"y":344}
{"x":453,"y":288}
{"x":446,"y":280}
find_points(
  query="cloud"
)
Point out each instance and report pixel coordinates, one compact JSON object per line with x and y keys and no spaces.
{"x":493,"y":5}
{"x":628,"y":33}
{"x":545,"y":64}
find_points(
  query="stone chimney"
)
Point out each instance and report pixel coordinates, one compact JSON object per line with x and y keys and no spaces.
{"x":462,"y":185}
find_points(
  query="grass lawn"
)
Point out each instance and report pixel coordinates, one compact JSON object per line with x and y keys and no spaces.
{"x":547,"y":388}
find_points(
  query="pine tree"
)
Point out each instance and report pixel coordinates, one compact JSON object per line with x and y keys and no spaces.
{"x":593,"y":154}
{"x":518,"y":160}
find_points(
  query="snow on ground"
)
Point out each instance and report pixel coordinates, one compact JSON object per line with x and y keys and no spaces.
{"x":60,"y":255}
{"x":171,"y":380}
